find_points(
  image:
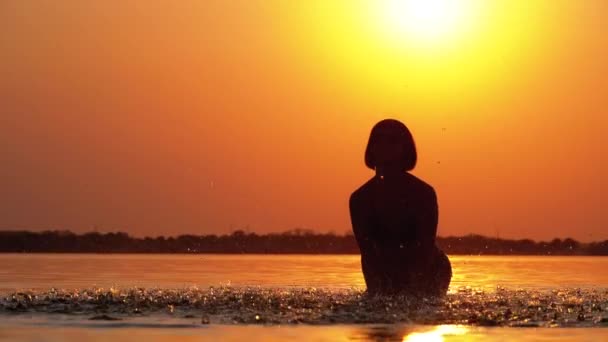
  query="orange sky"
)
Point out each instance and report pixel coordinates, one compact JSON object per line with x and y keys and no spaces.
{"x":169,"y":117}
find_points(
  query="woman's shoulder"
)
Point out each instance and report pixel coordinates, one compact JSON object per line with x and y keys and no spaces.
{"x":363,"y":191}
{"x":420,"y":185}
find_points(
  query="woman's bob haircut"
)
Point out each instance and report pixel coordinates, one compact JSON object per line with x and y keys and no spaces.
{"x":392,"y":128}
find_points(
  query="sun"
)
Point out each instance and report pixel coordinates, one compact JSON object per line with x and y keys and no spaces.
{"x":427,"y":21}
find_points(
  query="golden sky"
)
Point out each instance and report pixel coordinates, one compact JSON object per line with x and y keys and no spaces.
{"x":170,"y":117}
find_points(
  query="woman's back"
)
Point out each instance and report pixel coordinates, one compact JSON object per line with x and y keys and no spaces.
{"x":394,"y":217}
{"x":396,"y":207}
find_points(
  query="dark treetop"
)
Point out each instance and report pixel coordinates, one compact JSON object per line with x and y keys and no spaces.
{"x":298,"y":241}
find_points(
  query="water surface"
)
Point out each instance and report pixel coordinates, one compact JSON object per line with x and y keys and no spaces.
{"x":168,"y":297}
{"x":43,"y":271}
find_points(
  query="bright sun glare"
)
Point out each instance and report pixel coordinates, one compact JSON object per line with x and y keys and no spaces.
{"x":427,"y":20}
{"x":437,"y":334}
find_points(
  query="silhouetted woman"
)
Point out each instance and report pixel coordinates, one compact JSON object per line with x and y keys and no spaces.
{"x":394,"y":217}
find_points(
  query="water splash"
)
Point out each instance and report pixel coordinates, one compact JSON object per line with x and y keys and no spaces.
{"x":261,"y":305}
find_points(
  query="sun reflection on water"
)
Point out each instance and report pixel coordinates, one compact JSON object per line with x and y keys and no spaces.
{"x":437,"y":334}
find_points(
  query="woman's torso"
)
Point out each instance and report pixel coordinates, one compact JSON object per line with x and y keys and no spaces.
{"x":393,"y":206}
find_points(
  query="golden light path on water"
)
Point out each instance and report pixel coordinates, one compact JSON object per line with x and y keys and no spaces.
{"x":437,"y":334}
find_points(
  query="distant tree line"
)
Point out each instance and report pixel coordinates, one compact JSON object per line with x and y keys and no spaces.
{"x":298,"y":241}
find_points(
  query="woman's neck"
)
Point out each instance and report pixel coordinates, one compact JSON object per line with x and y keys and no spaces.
{"x":388,"y":172}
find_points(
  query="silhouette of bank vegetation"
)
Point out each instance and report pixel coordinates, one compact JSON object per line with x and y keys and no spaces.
{"x":297,"y":241}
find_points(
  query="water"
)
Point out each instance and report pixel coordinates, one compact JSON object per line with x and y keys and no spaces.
{"x":68,"y":271}
{"x":65,"y":296}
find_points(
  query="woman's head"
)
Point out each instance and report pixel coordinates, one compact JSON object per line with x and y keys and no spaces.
{"x":391,"y":145}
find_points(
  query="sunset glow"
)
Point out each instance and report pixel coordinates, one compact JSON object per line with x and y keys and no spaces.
{"x":165,"y":117}
{"x":428,"y":21}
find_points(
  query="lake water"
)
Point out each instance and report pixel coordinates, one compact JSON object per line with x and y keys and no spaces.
{"x":70,"y":297}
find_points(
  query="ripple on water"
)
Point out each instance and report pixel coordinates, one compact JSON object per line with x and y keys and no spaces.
{"x":260,"y":305}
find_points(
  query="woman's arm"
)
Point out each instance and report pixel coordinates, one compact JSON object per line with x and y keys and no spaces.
{"x":374,"y":272}
{"x":360,"y":220}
